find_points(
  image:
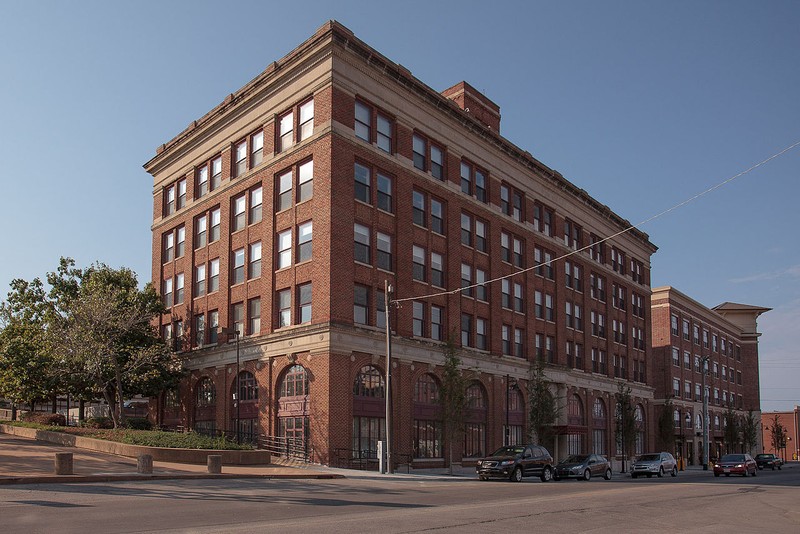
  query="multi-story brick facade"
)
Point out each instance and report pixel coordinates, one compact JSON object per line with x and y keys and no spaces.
{"x":282,"y":212}
{"x":687,"y":337}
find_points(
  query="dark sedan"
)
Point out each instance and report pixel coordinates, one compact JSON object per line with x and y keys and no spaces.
{"x":735,"y":464}
{"x":583,"y":466}
{"x":768,"y":461}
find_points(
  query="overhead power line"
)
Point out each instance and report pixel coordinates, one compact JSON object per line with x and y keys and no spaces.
{"x":612,"y":236}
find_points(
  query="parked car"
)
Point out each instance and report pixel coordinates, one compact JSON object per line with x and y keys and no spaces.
{"x":515,"y":462}
{"x":735,"y":464}
{"x":770,"y":461}
{"x":583,"y":466}
{"x":655,"y":463}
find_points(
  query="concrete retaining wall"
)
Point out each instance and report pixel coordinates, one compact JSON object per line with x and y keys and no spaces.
{"x":159,"y":454}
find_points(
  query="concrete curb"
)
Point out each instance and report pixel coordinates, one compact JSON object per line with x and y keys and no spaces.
{"x":78,"y":479}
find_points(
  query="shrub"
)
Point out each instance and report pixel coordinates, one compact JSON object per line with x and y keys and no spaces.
{"x":49,"y":419}
{"x":99,"y":422}
{"x":138,"y":423}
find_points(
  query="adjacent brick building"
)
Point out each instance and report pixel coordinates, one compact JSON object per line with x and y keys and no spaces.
{"x":282,"y":212}
{"x":685,"y":334}
{"x":789,"y":450}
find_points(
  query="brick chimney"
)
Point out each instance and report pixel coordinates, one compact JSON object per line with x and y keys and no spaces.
{"x":473,"y":102}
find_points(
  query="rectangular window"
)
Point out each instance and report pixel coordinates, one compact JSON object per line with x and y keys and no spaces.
{"x":517,"y":255}
{"x":505,"y":338}
{"x":362,"y":244}
{"x":519,"y":303}
{"x":418,"y":263}
{"x":169,"y":200}
{"x":305,"y":181}
{"x":256,"y":149}
{"x":362,"y":184}
{"x":618,"y":261}
{"x":254,"y":269}
{"x":237,"y":318}
{"x":572,"y":235}
{"x":687,"y":360}
{"x":705,"y":338}
{"x":549,"y":308}
{"x":437,"y":324}
{"x":480,"y":235}
{"x":466,"y":229}
{"x":169,"y":246}
{"x":304,"y":303}
{"x":361,"y":304}
{"x":384,"y":137}
{"x":306,"y":120}
{"x":284,"y":191}
{"x":284,"y":302}
{"x":199,"y":280}
{"x":363,"y":122}
{"x":481,"y":334}
{"x":304,"y":241}
{"x":240,"y":163}
{"x":466,"y":178}
{"x":167,"y":292}
{"x":686,"y":329}
{"x":256,"y":200}
{"x":596,"y":249}
{"x":466,"y":280}
{"x":216,"y":172}
{"x":384,"y":193}
{"x":437,"y":162}
{"x":519,"y":343}
{"x":201,"y":181}
{"x":199,"y":329}
{"x":505,"y":248}
{"x":180,"y":241}
{"x":505,"y":199}
{"x":418,"y":208}
{"x":181,"y":200}
{"x":213,"y":275}
{"x":216,"y":220}
{"x":538,"y":304}
{"x":437,"y":217}
{"x":286,"y":131}
{"x":696,"y":332}
{"x":213,"y":326}
{"x":238,"y":266}
{"x":420,"y":149}
{"x":517,"y":206}
{"x":550,"y":349}
{"x":480,"y":186}
{"x":384,"y":249}
{"x":481,"y":291}
{"x":238,"y":218}
{"x":254,"y":316}
{"x":418,"y":319}
{"x":284,"y":243}
{"x":179,"y":288}
{"x":437,"y":269}
{"x":466,"y":330}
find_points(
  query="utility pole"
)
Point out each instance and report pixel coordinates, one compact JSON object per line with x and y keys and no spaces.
{"x":387,"y":290}
{"x":507,"y":436}
{"x":705,"y":415}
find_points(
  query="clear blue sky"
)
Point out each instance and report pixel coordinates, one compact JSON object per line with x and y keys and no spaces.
{"x":643,"y":104}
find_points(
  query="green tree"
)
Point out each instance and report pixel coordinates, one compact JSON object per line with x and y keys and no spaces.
{"x":543,"y":406}
{"x":777,"y":435}
{"x":732,"y":430}
{"x":625,"y":415}
{"x":749,"y":428}
{"x":452,"y":398}
{"x":27,"y":370}
{"x":104,"y":330}
{"x":666,"y":427}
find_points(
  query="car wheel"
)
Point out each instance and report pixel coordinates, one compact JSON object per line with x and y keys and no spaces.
{"x":660,"y":471}
{"x":779,"y":468}
{"x":773,"y":468}
{"x":587,"y":475}
{"x":482,"y":478}
{"x":755,"y":472}
{"x":607,"y":475}
{"x":516,"y":475}
{"x":675,"y":471}
{"x":547,"y":474}
{"x":744,"y":474}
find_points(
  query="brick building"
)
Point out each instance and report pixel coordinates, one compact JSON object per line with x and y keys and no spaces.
{"x":685,"y":336}
{"x":282,"y":212}
{"x":789,"y":450}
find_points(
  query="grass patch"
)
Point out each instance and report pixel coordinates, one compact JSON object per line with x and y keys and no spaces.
{"x":148,"y":438}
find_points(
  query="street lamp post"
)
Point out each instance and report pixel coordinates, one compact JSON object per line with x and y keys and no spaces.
{"x":686,"y":421}
{"x":238,"y":393}
{"x":387,"y":290}
{"x":507,"y":433}
{"x":705,"y":414}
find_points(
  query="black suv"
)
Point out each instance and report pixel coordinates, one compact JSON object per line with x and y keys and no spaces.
{"x":768,"y":461}
{"x":515,"y":462}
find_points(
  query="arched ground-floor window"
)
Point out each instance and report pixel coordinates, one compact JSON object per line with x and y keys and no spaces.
{"x":427,"y":423}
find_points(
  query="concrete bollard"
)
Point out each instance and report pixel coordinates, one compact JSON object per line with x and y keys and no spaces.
{"x":63,"y":463}
{"x":144,"y":464}
{"x":214,"y":463}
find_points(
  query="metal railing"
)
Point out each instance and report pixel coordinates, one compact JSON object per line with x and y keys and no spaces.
{"x":367,"y":459}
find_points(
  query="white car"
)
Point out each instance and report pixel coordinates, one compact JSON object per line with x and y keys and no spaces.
{"x":656,"y":463}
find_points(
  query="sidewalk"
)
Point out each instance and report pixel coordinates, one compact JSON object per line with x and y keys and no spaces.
{"x":28,"y":461}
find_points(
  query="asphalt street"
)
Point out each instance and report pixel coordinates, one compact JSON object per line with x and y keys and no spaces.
{"x":692,"y":502}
